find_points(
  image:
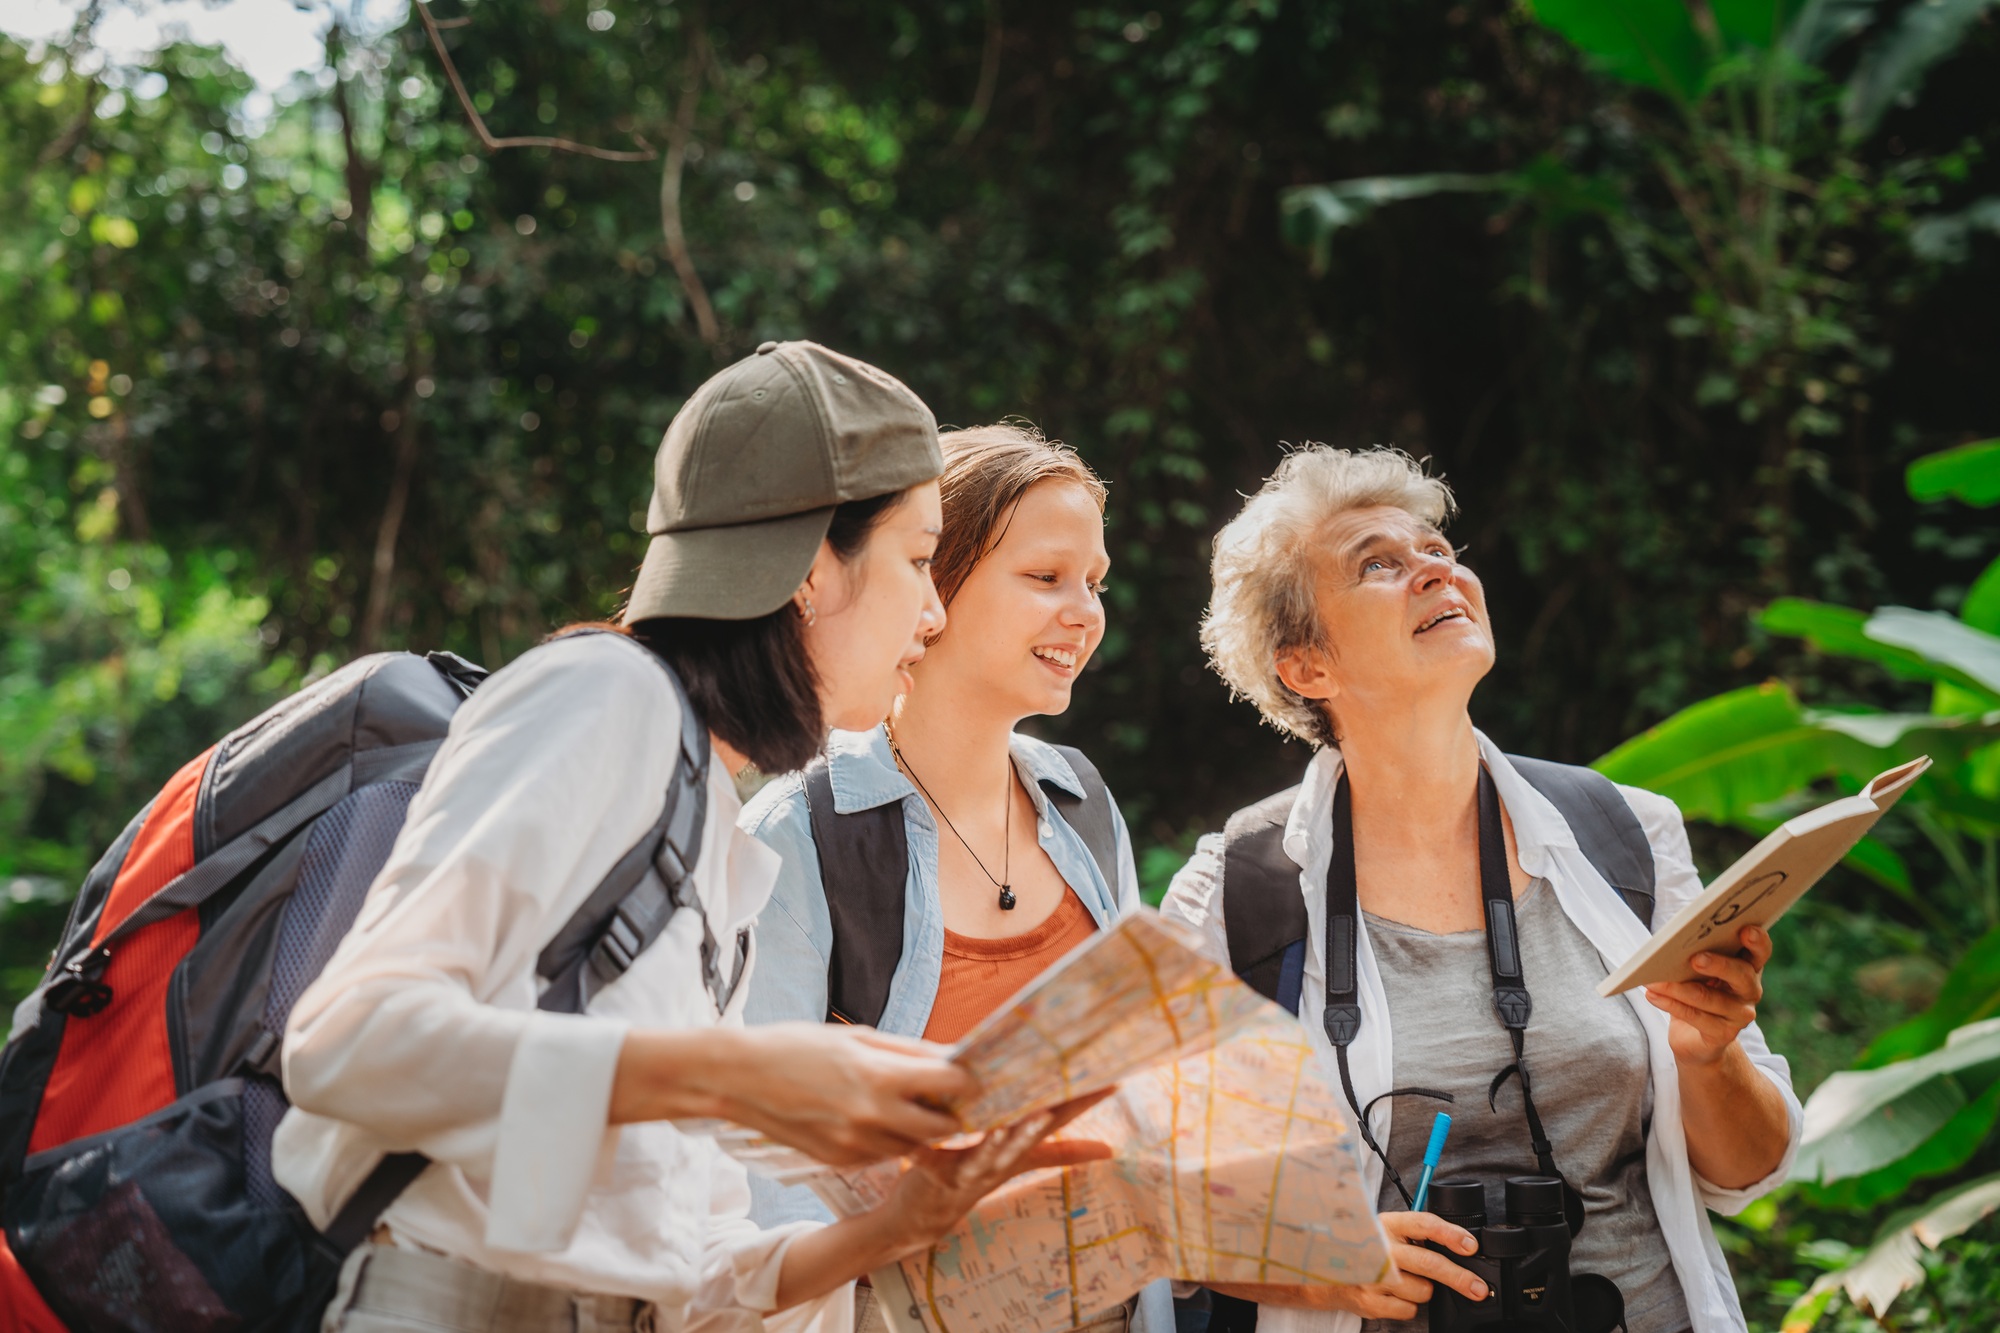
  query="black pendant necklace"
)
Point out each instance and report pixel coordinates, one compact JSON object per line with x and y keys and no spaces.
{"x":1007,"y":845}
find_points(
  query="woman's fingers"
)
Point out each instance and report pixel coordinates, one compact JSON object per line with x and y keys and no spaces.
{"x":1417,"y":1262}
{"x":1696,"y":1003}
{"x":1065,"y":1152}
{"x":1411,"y":1227}
{"x":889,"y":1041}
{"x":1731,"y":976}
{"x":1425,"y":1266}
{"x":1756,"y":941}
{"x":1076,"y":1106}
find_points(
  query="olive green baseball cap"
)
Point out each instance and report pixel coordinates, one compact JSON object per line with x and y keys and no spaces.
{"x":751,"y":469}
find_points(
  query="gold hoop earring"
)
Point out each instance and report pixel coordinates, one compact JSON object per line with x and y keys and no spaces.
{"x":804,"y":607}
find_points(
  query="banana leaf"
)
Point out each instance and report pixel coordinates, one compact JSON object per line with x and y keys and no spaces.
{"x":1758,"y":23}
{"x":1949,"y":1147}
{"x":1862,"y":1120}
{"x":1893,"y":1264}
{"x":1970,"y":994}
{"x":1892,"y":67}
{"x":1981,"y":608}
{"x":1970,"y":473}
{"x":1960,"y":652}
{"x":1723,"y":758}
{"x":1652,"y":43}
{"x":1309,"y":215}
{"x":1926,"y":646}
{"x":1824,"y":24}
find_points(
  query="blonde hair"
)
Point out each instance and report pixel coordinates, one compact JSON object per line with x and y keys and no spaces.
{"x":1266,"y":569}
{"x":987,"y":469}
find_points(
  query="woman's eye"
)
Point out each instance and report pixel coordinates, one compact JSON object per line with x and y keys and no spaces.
{"x":924,"y":563}
{"x":1373,"y":565}
{"x":1043,"y":578}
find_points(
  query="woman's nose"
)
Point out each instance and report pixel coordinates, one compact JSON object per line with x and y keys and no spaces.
{"x":931,"y":623}
{"x":1433,"y":570}
{"x":1084,"y":611}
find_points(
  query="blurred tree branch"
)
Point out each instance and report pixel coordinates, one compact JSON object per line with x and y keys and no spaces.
{"x":358,"y":173}
{"x":73,"y":132}
{"x":486,"y":136}
{"x":670,"y":189}
{"x":989,"y":78}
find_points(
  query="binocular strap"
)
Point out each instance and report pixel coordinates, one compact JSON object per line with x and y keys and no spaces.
{"x":1511,"y":1002}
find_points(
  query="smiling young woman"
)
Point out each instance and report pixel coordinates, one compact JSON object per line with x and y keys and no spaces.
{"x":1012,"y":852}
{"x":774,"y":601}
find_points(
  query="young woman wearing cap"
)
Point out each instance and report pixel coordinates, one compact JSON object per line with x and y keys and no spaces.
{"x":1000,"y":882}
{"x":794,"y":518}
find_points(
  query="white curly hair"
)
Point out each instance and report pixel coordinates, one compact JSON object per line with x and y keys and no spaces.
{"x":1267,"y":565}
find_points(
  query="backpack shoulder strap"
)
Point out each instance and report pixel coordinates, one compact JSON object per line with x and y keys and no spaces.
{"x":1607,"y":832}
{"x":864,"y":864}
{"x":1263,"y":913}
{"x":631,"y":906}
{"x":1093,"y":814}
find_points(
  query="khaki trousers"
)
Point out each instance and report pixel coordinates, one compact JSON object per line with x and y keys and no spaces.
{"x":388,"y":1290}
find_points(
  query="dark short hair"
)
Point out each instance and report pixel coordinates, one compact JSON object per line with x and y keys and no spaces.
{"x":752,"y":681}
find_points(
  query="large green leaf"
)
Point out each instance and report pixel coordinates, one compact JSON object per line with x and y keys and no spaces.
{"x":1824,"y":24}
{"x":1860,"y":1121}
{"x":1758,"y":23}
{"x":1893,"y":66}
{"x":1946,"y":641}
{"x":1981,"y":608}
{"x":1970,"y":994}
{"x":1893,"y":1264}
{"x":1922,"y":646}
{"x":1842,"y":631}
{"x":1311,"y":214}
{"x":1970,"y":473}
{"x":1652,"y":43}
{"x":1723,"y":758}
{"x":1949,"y":1147}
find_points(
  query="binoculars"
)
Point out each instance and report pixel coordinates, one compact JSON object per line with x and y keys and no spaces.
{"x":1524,"y":1262}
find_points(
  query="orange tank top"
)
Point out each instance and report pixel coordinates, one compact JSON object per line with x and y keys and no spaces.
{"x":980,"y":975}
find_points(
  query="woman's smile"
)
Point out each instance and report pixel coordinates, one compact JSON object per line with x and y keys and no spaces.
{"x":1062,"y":661}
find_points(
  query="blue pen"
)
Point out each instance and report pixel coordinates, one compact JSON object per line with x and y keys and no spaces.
{"x":1439,"y":1128}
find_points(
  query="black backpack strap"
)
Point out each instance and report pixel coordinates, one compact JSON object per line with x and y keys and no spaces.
{"x":864,"y":864}
{"x":1263,"y":912}
{"x":631,"y":906}
{"x":1607,"y":832}
{"x":1093,"y":815}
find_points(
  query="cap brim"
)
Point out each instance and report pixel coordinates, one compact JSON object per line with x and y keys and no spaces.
{"x":738,"y":572}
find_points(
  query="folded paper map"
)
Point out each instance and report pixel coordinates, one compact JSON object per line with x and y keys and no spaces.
{"x":1234,"y":1157}
{"x":1763,"y":885}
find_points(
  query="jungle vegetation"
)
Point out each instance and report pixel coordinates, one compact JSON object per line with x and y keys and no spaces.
{"x":1694,"y":304}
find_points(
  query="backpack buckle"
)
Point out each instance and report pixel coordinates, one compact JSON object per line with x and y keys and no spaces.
{"x":81,"y":994}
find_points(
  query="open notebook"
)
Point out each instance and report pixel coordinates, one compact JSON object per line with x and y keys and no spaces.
{"x":1762,"y":886}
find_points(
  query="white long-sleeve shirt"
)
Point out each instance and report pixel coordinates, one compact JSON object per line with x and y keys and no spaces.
{"x":422,"y":1033}
{"x":1547,"y":849}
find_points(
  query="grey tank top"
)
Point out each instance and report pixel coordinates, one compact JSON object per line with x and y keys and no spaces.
{"x":1588,"y":1057}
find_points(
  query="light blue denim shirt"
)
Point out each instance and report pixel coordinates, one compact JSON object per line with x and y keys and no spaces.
{"x":795,"y":933}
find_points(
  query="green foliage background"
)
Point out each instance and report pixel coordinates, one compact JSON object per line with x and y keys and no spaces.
{"x":277,"y":391}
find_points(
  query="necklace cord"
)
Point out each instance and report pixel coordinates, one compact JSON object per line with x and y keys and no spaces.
{"x":1005,"y":885}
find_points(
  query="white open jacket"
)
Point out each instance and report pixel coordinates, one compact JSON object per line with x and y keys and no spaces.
{"x":1546,"y":849}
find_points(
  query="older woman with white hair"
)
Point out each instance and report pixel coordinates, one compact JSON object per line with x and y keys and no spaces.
{"x":1440,"y":914}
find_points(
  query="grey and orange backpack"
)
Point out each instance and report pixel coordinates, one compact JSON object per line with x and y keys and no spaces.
{"x":139,"y":1087}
